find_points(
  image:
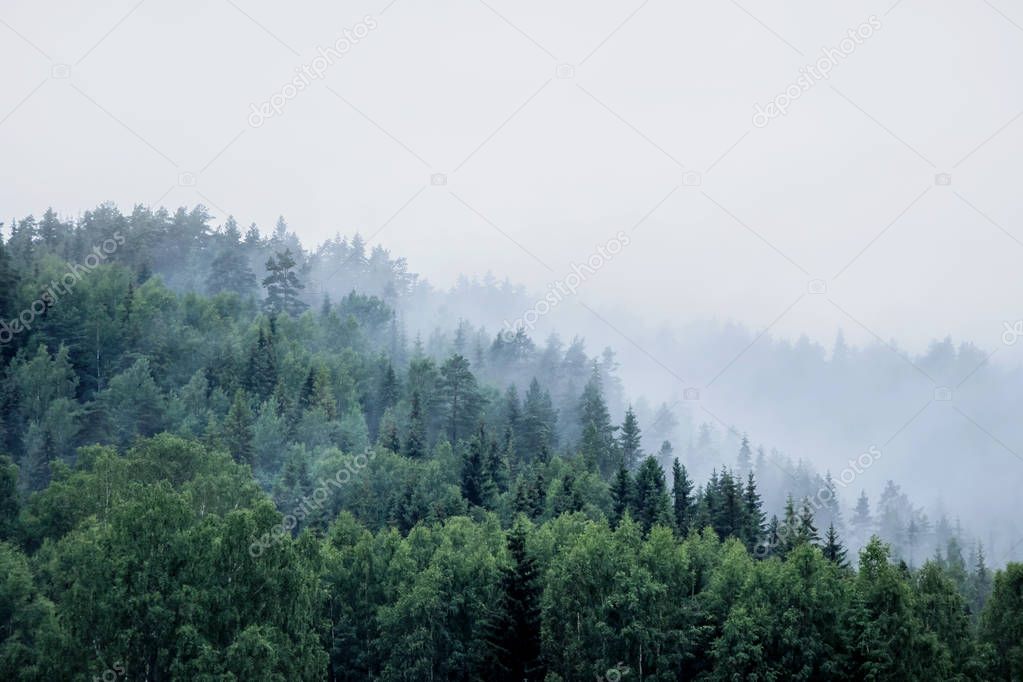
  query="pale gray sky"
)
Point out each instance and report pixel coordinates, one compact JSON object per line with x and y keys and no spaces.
{"x":554,"y":161}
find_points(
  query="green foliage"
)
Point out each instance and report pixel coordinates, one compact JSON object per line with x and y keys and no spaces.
{"x":1002,"y":624}
{"x":282,"y":286}
{"x":192,"y":494}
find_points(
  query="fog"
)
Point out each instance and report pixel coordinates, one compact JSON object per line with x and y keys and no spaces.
{"x":517,"y":141}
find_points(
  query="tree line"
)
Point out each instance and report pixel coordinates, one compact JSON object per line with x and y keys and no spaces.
{"x":167,"y":414}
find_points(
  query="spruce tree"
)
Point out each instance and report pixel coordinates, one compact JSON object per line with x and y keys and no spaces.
{"x":753,"y":528}
{"x":729,"y":518}
{"x":261,"y":370}
{"x":522,"y":502}
{"x":237,"y":432}
{"x":595,"y":421}
{"x":980,"y":581}
{"x":9,"y":504}
{"x":497,"y":467}
{"x":415,"y":441}
{"x":539,"y":420}
{"x":862,"y":522}
{"x":621,"y":495}
{"x":513,"y":633}
{"x":650,"y":501}
{"x":788,"y":529}
{"x":773,"y":540}
{"x":833,"y":549}
{"x":538,"y":495}
{"x":407,"y":512}
{"x":807,"y":531}
{"x":745,"y":459}
{"x":512,"y":411}
{"x":629,"y":440}
{"x":476,"y":485}
{"x":682,"y":502}
{"x":566,"y":498}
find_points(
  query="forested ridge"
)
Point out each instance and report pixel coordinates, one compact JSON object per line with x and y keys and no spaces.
{"x":228,"y":459}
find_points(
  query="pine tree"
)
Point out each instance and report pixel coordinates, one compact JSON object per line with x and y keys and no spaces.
{"x":261,"y":370}
{"x":508,"y":451}
{"x":390,"y":389}
{"x":567,"y":498}
{"x":522,"y":503}
{"x":307,"y":395}
{"x":475,"y":482}
{"x":666,"y":453}
{"x":745,"y":459}
{"x":512,"y":411}
{"x":807,"y":532}
{"x":8,"y":291}
{"x":831,"y":513}
{"x":753,"y":528}
{"x":912,"y":537}
{"x":9,"y":504}
{"x":788,"y":529}
{"x":539,"y":421}
{"x":773,"y":541}
{"x":407,"y":512}
{"x":591,"y":446}
{"x":415,"y":441}
{"x":389,"y":437}
{"x":682,"y":503}
{"x":833,"y":549}
{"x":497,"y":467}
{"x":539,"y":495}
{"x":598,"y":443}
{"x":629,"y":440}
{"x":651,"y":496}
{"x":862,"y":522}
{"x":230,"y":272}
{"x":50,"y":229}
{"x":237,"y":432}
{"x":460,"y":396}
{"x":621,"y":495}
{"x":730,"y":517}
{"x":514,"y":632}
{"x":282,"y":286}
{"x":252,"y":236}
{"x":980,"y":581}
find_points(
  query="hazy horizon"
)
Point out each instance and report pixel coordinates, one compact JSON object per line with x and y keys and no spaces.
{"x":554,"y":129}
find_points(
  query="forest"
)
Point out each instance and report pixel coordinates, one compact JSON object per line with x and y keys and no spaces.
{"x":225,"y":456}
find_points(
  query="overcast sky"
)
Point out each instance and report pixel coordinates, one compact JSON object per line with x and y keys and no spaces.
{"x":552,"y":126}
